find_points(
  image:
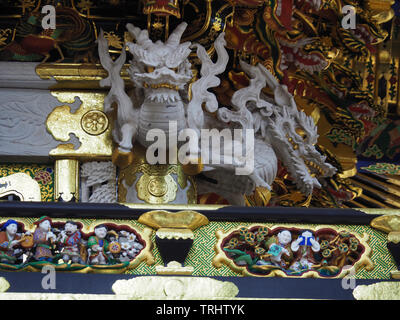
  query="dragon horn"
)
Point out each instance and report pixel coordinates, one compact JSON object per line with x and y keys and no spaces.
{"x":101,"y":37}
{"x":269,"y":78}
{"x":141,"y":36}
{"x":135,"y":31}
{"x":175,"y":37}
{"x":245,"y":66}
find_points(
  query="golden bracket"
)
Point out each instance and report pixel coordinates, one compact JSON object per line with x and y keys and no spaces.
{"x":174,"y":236}
{"x":89,"y":124}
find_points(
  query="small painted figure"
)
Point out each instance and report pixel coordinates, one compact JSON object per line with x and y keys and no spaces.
{"x":98,"y":246}
{"x":44,"y":239}
{"x":279,"y":252}
{"x":281,"y":249}
{"x":304,"y":247}
{"x":9,"y":240}
{"x":71,"y":241}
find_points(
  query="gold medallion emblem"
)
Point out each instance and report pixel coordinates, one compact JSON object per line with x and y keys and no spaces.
{"x":156,"y":189}
{"x":94,"y":122}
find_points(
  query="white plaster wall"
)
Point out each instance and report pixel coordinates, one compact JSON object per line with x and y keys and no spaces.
{"x":25,"y":102}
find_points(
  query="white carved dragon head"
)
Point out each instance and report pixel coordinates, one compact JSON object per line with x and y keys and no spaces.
{"x":161,"y":68}
{"x":279,"y":126}
{"x":294,"y":135}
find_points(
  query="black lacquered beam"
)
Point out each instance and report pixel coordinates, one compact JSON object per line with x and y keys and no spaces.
{"x":291,"y":215}
{"x":227,"y":213}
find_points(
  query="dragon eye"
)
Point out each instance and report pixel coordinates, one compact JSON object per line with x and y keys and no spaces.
{"x":149,"y":69}
{"x":301,"y":133}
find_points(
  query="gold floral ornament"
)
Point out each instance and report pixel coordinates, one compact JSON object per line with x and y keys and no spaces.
{"x":158,"y":25}
{"x":113,"y":39}
{"x":94,"y":122}
{"x":85,"y":5}
{"x":217,"y":24}
{"x":27,"y":4}
{"x":4,"y":33}
{"x":383,"y":168}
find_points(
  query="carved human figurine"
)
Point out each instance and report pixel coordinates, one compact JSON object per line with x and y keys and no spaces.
{"x":98,"y":245}
{"x":70,"y":241}
{"x":279,"y":251}
{"x":304,"y":248}
{"x":9,"y":240}
{"x":281,"y":248}
{"x":43,"y":239}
